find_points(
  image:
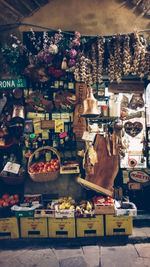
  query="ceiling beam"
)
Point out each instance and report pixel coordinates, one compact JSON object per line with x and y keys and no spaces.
{"x":27,"y":6}
{"x":12,"y":8}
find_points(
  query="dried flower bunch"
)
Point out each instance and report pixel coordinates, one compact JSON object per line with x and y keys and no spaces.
{"x":49,"y":53}
{"x":52,"y":55}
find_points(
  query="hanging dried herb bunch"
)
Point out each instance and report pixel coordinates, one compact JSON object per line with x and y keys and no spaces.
{"x":83,"y":69}
{"x":136,"y":44}
{"x":100,"y":58}
{"x":118,"y":58}
{"x":111,"y":60}
{"x":127,"y":55}
{"x":143,"y":62}
{"x":94,"y":62}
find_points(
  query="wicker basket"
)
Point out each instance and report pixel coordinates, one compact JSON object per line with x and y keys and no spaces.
{"x":43,"y":176}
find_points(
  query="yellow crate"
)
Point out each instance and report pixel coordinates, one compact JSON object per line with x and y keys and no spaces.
{"x":64,"y":227}
{"x":33,"y":227}
{"x":118,"y":225}
{"x":9,"y":228}
{"x":90,"y":226}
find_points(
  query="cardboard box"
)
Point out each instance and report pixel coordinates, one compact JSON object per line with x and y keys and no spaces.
{"x":61,"y":228}
{"x":9,"y":228}
{"x":42,"y":213}
{"x":90,"y":226}
{"x":101,"y":209}
{"x":118,"y":225}
{"x":22,"y":213}
{"x":126,"y":209}
{"x":33,"y":227}
{"x":66,"y":213}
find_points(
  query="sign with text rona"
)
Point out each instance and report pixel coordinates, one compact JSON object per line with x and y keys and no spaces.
{"x":12,"y":83}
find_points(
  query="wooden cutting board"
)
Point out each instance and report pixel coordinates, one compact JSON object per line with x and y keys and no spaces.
{"x":104,"y":172}
{"x":94,"y":187}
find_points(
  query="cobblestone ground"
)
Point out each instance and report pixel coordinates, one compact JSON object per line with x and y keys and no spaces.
{"x":125,"y":255}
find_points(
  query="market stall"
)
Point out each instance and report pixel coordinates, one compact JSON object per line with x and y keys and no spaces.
{"x":74,"y":136}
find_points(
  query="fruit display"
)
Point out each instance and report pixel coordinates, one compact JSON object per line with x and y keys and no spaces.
{"x":8,"y":200}
{"x":66,"y":203}
{"x":49,"y":166}
{"x":85,"y":208}
{"x":32,"y":199}
{"x":103,"y":201}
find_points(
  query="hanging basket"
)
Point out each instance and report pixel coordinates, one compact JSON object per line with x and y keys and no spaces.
{"x":43,"y":176}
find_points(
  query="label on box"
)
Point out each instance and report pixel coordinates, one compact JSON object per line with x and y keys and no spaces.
{"x":56,"y":116}
{"x":33,"y":115}
{"x":65,"y":115}
{"x":37,"y":126}
{"x":59,"y":126}
{"x":45,"y":134}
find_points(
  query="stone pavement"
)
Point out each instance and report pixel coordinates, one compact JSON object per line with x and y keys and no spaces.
{"x":115,"y":251}
{"x":121,"y":255}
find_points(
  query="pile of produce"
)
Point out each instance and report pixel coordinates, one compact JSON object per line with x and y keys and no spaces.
{"x":66,"y":203}
{"x":49,"y":166}
{"x":85,"y":208}
{"x":103,"y":201}
{"x":8,"y":200}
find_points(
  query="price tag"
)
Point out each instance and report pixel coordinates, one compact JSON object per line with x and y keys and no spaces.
{"x":12,"y":167}
{"x":88,"y":136}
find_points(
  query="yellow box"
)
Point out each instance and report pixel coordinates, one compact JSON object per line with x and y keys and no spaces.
{"x":9,"y":228}
{"x":64,"y":227}
{"x":90,"y":226}
{"x":33,"y":227}
{"x":118,"y":225}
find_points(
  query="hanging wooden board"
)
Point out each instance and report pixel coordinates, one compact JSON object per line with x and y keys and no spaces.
{"x":126,"y":87}
{"x":79,"y":123}
{"x":47,"y":124}
{"x":94,"y":187}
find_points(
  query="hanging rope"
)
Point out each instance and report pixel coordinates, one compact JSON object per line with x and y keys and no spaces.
{"x":7,"y":27}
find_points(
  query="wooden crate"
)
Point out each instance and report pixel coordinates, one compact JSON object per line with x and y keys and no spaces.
{"x":33,"y":227}
{"x":61,"y":228}
{"x":90,"y":226}
{"x":9,"y":228}
{"x":118,"y":225}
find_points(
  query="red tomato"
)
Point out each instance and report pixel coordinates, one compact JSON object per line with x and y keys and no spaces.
{"x":5,"y":196}
{"x":12,"y":201}
{"x":31,"y":170}
{"x":41,"y":164}
{"x":16,"y":196}
{"x":49,"y":169}
{"x":56,"y":166}
{"x":5,"y":204}
{"x":1,"y":202}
